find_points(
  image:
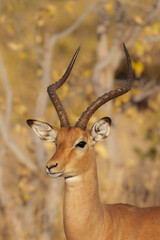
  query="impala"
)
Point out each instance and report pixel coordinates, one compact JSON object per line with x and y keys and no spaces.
{"x":85,"y":217}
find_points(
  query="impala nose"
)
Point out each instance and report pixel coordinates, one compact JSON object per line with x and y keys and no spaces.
{"x":49,"y":168}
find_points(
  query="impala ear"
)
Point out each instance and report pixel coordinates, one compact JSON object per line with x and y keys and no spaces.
{"x":43,"y":130}
{"x":100,"y":130}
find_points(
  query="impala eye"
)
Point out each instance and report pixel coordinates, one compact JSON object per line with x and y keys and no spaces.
{"x":81,"y":144}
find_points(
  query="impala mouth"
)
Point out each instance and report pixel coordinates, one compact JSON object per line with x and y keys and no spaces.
{"x":55,"y":174}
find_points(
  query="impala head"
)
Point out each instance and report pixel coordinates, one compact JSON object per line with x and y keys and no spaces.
{"x":74,"y":145}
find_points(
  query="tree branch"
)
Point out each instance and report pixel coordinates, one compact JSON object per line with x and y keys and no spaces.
{"x":135,"y":29}
{"x":74,"y":26}
{"x":9,"y":142}
{"x":8,"y":91}
{"x":147,"y":91}
{"x":4,"y":122}
{"x":2,"y":191}
{"x":150,"y":39}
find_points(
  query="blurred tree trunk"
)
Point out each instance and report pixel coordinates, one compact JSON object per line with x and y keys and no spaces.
{"x":14,"y":224}
{"x":109,"y":55}
{"x":11,"y":224}
{"x":104,"y":82}
{"x":106,"y":75}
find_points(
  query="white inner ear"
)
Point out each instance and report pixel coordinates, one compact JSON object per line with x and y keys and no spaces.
{"x":100,"y":130}
{"x":44,"y":131}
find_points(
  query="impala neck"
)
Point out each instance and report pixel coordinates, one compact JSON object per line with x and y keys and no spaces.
{"x":83,"y":212}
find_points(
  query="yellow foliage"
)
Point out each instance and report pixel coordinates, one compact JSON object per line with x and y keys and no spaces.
{"x":38,"y":39}
{"x":156,"y":28}
{"x":23,"y":55}
{"x":2,"y":102}
{"x":51,"y":9}
{"x":139,"y":48}
{"x":30,"y":188}
{"x":15,"y":46}
{"x":69,"y":6}
{"x":117,"y":103}
{"x":109,"y":7}
{"x":148,"y":59}
{"x":158,"y":98}
{"x":131,"y":112}
{"x":93,"y":119}
{"x":155,"y":173}
{"x":131,"y":162}
{"x":87,"y":73}
{"x":9,"y":8}
{"x":101,"y":150}
{"x":26,"y":196}
{"x":64,"y":91}
{"x":41,"y":22}
{"x":139,"y":120}
{"x":39,"y":72}
{"x":25,"y":172}
{"x":56,"y":75}
{"x":20,"y":109}
{"x":19,"y":129}
{"x":138,"y":68}
{"x":24,"y":130}
{"x":89,"y":89}
{"x":2,"y":18}
{"x":148,"y":30}
{"x":154,"y":104}
{"x":136,"y":91}
{"x":25,"y":188}
{"x":123,"y":99}
{"x":138,"y":20}
{"x":10,"y":29}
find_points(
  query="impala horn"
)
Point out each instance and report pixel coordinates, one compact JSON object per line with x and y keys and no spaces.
{"x":87,"y":114}
{"x":64,"y":121}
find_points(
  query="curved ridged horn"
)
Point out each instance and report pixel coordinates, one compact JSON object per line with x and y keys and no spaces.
{"x":87,"y":114}
{"x":64,"y":121}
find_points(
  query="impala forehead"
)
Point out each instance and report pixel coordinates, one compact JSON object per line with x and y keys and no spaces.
{"x":72,"y":135}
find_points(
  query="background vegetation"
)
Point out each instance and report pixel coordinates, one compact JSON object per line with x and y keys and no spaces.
{"x":38,"y":39}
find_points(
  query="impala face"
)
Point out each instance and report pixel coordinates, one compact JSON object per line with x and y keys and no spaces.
{"x":74,"y":146}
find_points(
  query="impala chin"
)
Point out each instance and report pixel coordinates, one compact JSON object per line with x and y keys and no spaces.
{"x":69,"y":176}
{"x":54,"y":174}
